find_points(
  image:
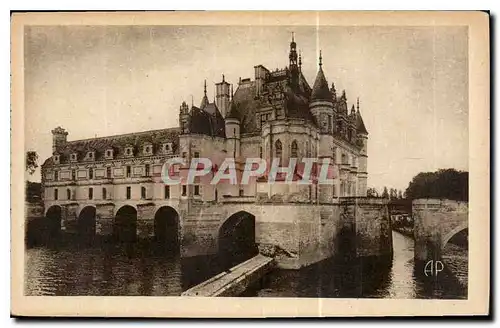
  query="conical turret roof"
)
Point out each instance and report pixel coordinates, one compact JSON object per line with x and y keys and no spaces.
{"x":320,"y":89}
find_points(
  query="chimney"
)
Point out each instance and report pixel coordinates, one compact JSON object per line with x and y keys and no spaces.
{"x":222,"y":96}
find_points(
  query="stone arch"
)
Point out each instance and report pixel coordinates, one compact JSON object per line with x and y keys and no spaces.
{"x":52,"y":223}
{"x":117,"y":208}
{"x":278,"y":149}
{"x":125,"y":224}
{"x":453,"y":232}
{"x":236,"y":238}
{"x":87,"y":223}
{"x":294,"y":149}
{"x":167,"y":229}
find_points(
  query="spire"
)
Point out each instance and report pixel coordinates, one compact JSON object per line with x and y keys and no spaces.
{"x":353,"y":111}
{"x":320,"y":59}
{"x":357,"y":104}
{"x":223,"y":78}
{"x":293,"y":52}
{"x":343,"y":97}
{"x":320,"y":89}
{"x":204,"y":100}
{"x":334,"y":92}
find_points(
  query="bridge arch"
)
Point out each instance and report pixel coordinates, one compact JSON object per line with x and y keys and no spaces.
{"x":236,"y":238}
{"x":53,"y":219}
{"x":125,"y":224}
{"x":462,"y":227}
{"x":87,"y":223}
{"x":166,"y":229}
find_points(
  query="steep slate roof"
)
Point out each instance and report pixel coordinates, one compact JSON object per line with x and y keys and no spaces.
{"x":320,"y":90}
{"x":360,"y":125}
{"x":207,"y":120}
{"x":245,"y":106}
{"x":118,"y":144}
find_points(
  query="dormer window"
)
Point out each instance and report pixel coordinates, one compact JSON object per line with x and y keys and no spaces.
{"x":148,"y":149}
{"x":129,"y":151}
{"x":57,"y":159}
{"x":167,"y":147}
{"x":73,"y":157}
{"x":108,"y":154}
{"x":91,"y":155}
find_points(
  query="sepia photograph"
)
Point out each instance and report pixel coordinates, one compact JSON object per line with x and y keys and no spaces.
{"x":267,"y":157}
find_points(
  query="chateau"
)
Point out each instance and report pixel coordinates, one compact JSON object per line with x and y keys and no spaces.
{"x":94,"y":186}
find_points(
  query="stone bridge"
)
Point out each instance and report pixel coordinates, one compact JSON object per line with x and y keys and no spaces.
{"x":436,"y":222}
{"x":295,"y":233}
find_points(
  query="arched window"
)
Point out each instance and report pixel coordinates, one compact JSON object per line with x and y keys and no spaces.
{"x":295,"y":149}
{"x":143,"y":192}
{"x":279,"y":149}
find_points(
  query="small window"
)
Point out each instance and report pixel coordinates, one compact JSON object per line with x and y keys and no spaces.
{"x":184,"y":154}
{"x":196,"y":154}
{"x":73,"y":175}
{"x":91,"y":193}
{"x":109,"y":153}
{"x":108,"y":172}
{"x":129,"y":171}
{"x":56,"y":175}
{"x":91,"y":173}
{"x":143,"y":192}
{"x":184,"y":190}
{"x":167,"y":192}
{"x":147,"y":169}
{"x":241,"y":193}
{"x":104,"y":196}
{"x":197,"y":190}
{"x":56,"y":194}
{"x":91,"y":155}
{"x":167,"y":147}
{"x":295,"y":149}
{"x":68,"y":194}
{"x":73,"y":156}
{"x":279,"y":149}
{"x":129,"y":191}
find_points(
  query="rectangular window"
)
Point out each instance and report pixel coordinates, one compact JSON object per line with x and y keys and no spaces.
{"x":184,"y":190}
{"x":147,"y":169}
{"x":129,"y":171}
{"x":91,"y":173}
{"x":108,"y":172}
{"x":167,"y":192}
{"x":143,"y":192}
{"x":196,"y":154}
{"x":56,"y":194}
{"x":197,"y":190}
{"x":91,"y":193}
{"x":103,"y":193}
{"x":56,"y":175}
{"x":129,"y":191}
{"x":68,"y":194}
{"x":73,"y":175}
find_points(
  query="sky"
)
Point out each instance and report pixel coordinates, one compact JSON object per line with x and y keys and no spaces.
{"x":104,"y":80}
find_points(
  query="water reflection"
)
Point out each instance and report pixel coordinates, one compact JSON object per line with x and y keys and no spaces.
{"x":368,"y":279}
{"x":129,"y":270}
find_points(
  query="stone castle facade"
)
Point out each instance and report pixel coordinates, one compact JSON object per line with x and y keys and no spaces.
{"x":275,"y":115}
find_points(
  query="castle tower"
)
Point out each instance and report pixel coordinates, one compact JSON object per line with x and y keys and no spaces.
{"x":59,"y":138}
{"x":321,"y":104}
{"x":184,"y":118}
{"x":222,"y":96}
{"x":362,"y":140}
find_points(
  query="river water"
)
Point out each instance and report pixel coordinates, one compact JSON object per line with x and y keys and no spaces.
{"x":119,"y":270}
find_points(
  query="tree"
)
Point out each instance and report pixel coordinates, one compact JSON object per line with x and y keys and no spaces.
{"x":400,"y":194}
{"x":444,"y":183}
{"x":31,"y":161}
{"x":385,"y":193}
{"x":371,"y":192}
